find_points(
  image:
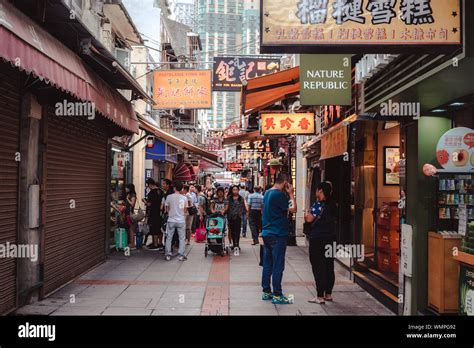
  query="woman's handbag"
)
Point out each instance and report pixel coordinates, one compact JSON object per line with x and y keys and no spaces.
{"x":138,"y":216}
{"x":192,"y":210}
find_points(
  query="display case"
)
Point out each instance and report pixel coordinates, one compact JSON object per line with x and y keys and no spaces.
{"x":455,"y":192}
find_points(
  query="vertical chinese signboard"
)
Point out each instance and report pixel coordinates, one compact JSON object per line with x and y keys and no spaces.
{"x":230,"y":72}
{"x":360,"y":26}
{"x":325,"y":79}
{"x":182,"y":89}
{"x":287,"y":124}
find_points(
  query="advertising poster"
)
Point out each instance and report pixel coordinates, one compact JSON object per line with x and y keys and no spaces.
{"x":391,"y":165}
{"x":455,"y":150}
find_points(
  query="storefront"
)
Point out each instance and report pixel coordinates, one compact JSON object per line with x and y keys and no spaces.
{"x":59,"y":188}
{"x":10,"y":101}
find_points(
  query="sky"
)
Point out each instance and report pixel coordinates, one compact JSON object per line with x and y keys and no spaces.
{"x":147,"y":19}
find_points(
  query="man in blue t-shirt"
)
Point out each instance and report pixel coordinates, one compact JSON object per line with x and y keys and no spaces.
{"x":277,"y":202}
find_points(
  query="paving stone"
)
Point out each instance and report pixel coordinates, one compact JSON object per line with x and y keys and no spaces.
{"x":127,"y":311}
{"x":36,"y":310}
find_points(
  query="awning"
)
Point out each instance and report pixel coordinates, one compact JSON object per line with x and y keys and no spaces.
{"x":27,"y":46}
{"x":181,"y":172}
{"x":264,"y":91}
{"x":237,"y":139}
{"x":192,"y":172}
{"x":147,"y":126}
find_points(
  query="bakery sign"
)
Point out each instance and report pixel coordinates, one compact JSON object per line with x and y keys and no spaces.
{"x":287,"y":124}
{"x":455,"y":150}
{"x":359,"y":26}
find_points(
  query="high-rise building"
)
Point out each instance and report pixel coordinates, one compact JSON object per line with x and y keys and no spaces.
{"x":251,"y":27}
{"x":182,"y":11}
{"x":219,"y":24}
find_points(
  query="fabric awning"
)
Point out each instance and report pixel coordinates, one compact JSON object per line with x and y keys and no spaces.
{"x":147,"y":126}
{"x":191,"y":171}
{"x":181,"y":172}
{"x":27,"y":46}
{"x":237,"y":139}
{"x":264,"y":91}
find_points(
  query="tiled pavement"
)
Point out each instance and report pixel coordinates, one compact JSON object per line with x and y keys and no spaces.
{"x":146,"y":284}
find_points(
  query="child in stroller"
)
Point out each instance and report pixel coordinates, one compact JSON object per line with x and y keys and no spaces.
{"x":215,"y":235}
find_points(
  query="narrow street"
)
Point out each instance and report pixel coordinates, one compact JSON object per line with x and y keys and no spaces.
{"x":146,"y":284}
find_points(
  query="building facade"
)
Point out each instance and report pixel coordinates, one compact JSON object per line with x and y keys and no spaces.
{"x":219,"y":24}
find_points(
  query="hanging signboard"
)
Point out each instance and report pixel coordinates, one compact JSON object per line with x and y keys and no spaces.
{"x":360,"y":26}
{"x":325,"y":79}
{"x":182,"y":89}
{"x":232,"y":130}
{"x":455,"y":150}
{"x":230,"y":72}
{"x":287,"y":124}
{"x":334,"y":143}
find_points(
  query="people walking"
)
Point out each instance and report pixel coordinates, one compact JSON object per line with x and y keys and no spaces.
{"x":130,"y":202}
{"x":220,"y":205}
{"x":176,"y":205}
{"x":255,"y":205}
{"x":153,"y":202}
{"x":237,"y":206}
{"x":277,"y":203}
{"x":322,"y":218}
{"x":190,"y":214}
{"x":244,"y":193}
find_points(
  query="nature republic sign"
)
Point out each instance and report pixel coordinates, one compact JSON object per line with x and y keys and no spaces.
{"x":325,"y":79}
{"x":360,"y":26}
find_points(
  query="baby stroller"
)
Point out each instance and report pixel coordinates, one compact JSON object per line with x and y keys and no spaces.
{"x":215,"y":235}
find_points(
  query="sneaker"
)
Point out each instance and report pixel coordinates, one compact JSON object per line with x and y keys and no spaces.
{"x":168,"y":258}
{"x":280,"y":300}
{"x":266,"y":296}
{"x":182,"y":258}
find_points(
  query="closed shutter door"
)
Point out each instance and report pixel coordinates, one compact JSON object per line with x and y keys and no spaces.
{"x":75,"y":198}
{"x":10,"y":82}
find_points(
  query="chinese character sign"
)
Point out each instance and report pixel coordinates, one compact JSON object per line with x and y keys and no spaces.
{"x":284,"y":124}
{"x":230,"y":72}
{"x":384,"y":23}
{"x":182,"y":89}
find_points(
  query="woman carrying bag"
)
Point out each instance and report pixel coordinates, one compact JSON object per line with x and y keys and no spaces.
{"x":321,"y":230}
{"x":236,"y":208}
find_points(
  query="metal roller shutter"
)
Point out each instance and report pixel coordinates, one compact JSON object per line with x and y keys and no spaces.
{"x":75,"y":169}
{"x":10,"y":84}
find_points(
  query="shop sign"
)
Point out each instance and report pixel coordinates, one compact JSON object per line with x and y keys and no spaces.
{"x":334,"y":143}
{"x":455,"y":150}
{"x":230,"y":72}
{"x":157,"y":152}
{"x":182,"y":89}
{"x":148,"y":175}
{"x":233,"y":130}
{"x":234,"y":166}
{"x":120,"y":160}
{"x":325,"y":79}
{"x":466,"y":290}
{"x":287,"y":124}
{"x":359,"y":26}
{"x":370,"y":64}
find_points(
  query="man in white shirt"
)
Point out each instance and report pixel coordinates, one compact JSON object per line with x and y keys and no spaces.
{"x":176,"y":205}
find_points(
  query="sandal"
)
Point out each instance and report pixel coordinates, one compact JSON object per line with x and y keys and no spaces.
{"x":317,"y":300}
